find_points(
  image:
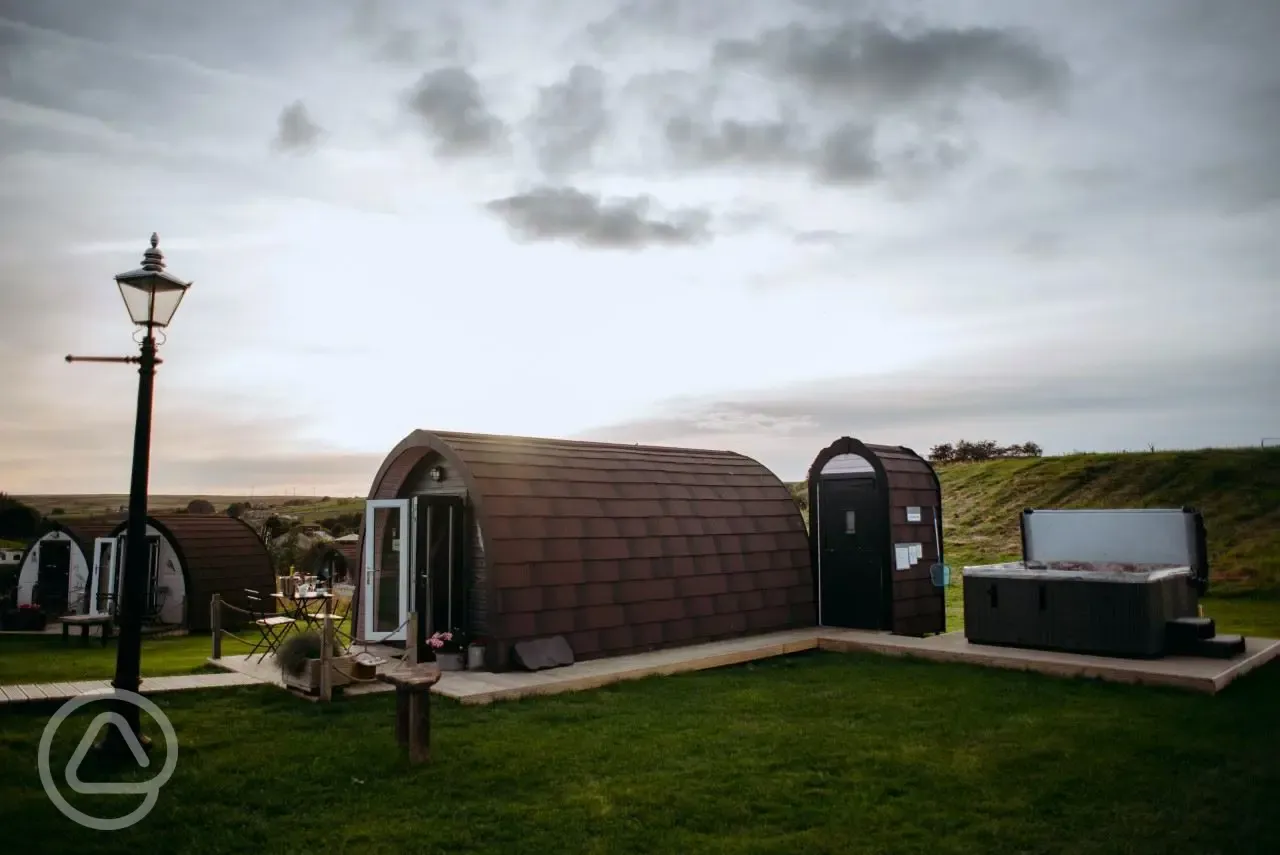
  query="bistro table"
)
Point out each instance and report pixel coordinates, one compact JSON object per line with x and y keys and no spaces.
{"x":304,"y":607}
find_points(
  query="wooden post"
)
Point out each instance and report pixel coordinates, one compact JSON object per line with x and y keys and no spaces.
{"x":420,"y":725}
{"x":411,"y":640}
{"x":413,"y":708}
{"x":215,"y":625}
{"x":326,"y":659}
{"x":402,"y":716}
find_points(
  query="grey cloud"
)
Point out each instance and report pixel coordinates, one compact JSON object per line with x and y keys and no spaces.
{"x":867,"y":62}
{"x":766,"y":143}
{"x":390,"y":40}
{"x":566,"y":214}
{"x":296,"y":132}
{"x":571,"y":117}
{"x":847,"y":156}
{"x":452,"y":108}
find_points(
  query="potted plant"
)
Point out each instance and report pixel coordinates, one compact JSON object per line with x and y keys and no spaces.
{"x":444,"y":648}
{"x":475,"y":654}
{"x":299,"y":658}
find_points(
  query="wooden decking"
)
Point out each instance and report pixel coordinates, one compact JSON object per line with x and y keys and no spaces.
{"x":28,"y":692}
{"x":478,"y":687}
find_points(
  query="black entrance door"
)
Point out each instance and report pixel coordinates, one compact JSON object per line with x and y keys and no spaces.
{"x":54,"y":574}
{"x":441,"y":582}
{"x":853,"y":552}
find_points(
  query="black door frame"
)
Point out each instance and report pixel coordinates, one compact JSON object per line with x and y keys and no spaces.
{"x":432,"y":511}
{"x":885,"y":550}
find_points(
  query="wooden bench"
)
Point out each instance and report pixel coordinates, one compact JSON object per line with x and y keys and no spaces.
{"x":84,"y":622}
{"x":413,"y":708}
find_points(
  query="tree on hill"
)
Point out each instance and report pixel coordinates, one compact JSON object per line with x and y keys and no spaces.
{"x":965,"y":451}
{"x":273,"y":527}
{"x":342,"y":524}
{"x":201,"y":506}
{"x":18,"y":520}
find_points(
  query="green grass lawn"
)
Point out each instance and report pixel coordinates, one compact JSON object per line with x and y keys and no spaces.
{"x":817,"y":753}
{"x":48,"y":659}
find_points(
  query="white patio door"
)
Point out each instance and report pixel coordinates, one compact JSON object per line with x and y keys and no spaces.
{"x":102,"y":582}
{"x":388,"y":552}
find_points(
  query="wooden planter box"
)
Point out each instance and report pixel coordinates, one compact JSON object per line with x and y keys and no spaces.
{"x":309,"y":680}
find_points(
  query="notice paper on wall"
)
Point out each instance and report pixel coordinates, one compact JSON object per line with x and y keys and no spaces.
{"x":906,"y":555}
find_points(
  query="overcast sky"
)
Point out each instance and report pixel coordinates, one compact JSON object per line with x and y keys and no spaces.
{"x":746,"y":225}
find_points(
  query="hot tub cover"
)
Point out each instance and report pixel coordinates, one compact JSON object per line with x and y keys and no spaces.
{"x":1084,"y":571}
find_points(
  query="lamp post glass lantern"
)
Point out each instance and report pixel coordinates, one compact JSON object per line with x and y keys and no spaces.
{"x":151,"y":295}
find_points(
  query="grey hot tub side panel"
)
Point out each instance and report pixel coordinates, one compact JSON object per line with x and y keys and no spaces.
{"x":1117,"y":614}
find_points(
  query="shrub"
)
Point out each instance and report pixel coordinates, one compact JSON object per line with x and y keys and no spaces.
{"x":295,"y":652}
{"x":201,"y":506}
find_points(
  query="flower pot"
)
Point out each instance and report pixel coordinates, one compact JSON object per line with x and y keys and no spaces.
{"x":475,"y":657}
{"x":450,"y":661}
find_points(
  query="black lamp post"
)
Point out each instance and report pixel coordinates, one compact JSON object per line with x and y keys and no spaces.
{"x":151,"y":295}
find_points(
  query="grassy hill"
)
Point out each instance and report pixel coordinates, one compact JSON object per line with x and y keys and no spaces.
{"x":1237,"y":490}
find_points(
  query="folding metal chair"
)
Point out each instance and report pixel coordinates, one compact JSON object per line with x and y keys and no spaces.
{"x":338,"y":615}
{"x":274,"y":627}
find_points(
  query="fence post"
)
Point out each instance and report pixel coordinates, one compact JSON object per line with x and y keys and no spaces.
{"x":326,"y":656}
{"x":411,"y":640}
{"x":215,"y":625}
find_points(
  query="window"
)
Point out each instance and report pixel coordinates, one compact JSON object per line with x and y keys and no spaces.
{"x":850,"y":522}
{"x":913,"y":515}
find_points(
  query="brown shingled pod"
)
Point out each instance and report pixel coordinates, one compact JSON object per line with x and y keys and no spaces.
{"x":619,"y":548}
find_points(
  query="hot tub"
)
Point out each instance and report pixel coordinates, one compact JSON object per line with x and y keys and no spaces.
{"x":1104,"y":582}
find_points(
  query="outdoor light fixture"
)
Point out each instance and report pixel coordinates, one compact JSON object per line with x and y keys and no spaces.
{"x":152,"y":296}
{"x":436,"y":473}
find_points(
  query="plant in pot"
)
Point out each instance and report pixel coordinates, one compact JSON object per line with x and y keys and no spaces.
{"x":299,"y":660}
{"x":445,"y":649}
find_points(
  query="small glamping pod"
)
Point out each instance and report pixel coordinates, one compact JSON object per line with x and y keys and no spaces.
{"x":55,"y":569}
{"x":875,"y":530}
{"x":191,"y":557}
{"x":334,"y":561}
{"x":617,"y":548}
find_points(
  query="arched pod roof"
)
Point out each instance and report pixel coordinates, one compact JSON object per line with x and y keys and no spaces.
{"x":662,"y":526}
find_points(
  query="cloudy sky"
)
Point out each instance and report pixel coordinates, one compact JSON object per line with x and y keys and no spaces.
{"x":722,"y":224}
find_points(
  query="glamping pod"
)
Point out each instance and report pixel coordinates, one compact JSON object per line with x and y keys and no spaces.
{"x":334,"y":561}
{"x":875,"y":532}
{"x":55,"y":569}
{"x":190,"y":558}
{"x":617,"y":548}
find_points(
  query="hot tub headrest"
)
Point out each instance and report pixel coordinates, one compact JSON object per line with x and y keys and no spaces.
{"x":1172,"y":536}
